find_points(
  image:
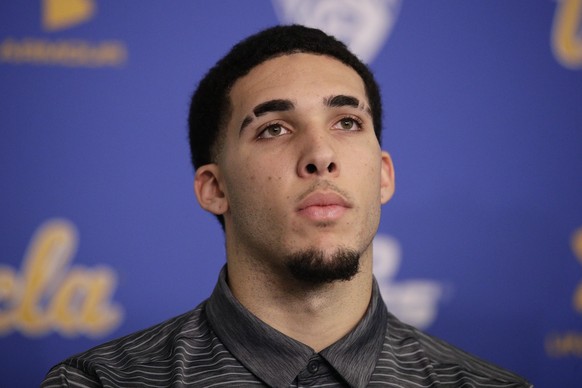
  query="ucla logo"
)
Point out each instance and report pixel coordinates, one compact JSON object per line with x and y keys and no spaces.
{"x":363,"y":25}
{"x":48,"y":294}
{"x":412,"y":301}
{"x":567,"y":33}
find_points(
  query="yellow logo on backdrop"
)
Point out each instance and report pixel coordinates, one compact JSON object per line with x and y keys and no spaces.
{"x":60,"y":14}
{"x":566,"y":35}
{"x":569,"y":343}
{"x":48,"y":294}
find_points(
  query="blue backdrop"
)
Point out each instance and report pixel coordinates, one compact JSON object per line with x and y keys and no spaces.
{"x":100,"y":234}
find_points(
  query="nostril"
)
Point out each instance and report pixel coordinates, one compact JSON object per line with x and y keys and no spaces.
{"x":311,"y":168}
{"x":331,"y":167}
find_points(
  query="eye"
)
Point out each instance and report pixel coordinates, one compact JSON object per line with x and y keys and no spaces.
{"x":348,"y":124}
{"x":273,"y":130}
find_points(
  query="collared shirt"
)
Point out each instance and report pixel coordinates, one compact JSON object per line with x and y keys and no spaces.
{"x":221,"y":343}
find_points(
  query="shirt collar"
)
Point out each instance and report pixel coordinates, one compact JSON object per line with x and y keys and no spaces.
{"x":276,"y":358}
{"x":361,"y":346}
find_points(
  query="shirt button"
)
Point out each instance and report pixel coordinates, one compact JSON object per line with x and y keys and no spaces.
{"x":313,"y":366}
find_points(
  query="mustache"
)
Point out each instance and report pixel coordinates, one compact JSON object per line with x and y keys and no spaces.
{"x":324,"y":185}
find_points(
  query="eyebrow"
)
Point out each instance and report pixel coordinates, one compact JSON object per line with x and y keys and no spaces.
{"x":343,"y":100}
{"x":273,"y":106}
{"x":268,"y":107}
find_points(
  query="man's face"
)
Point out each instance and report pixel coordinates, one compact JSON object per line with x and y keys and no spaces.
{"x":300,"y":168}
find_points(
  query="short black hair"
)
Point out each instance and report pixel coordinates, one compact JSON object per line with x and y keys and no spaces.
{"x":210,"y":106}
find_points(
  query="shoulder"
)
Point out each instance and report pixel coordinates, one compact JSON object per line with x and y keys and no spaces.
{"x":451,"y":365}
{"x":154,"y":343}
{"x":152,"y":346}
{"x":458,"y":365}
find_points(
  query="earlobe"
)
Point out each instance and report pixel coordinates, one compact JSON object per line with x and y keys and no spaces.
{"x":387,"y":178}
{"x":208,"y":189}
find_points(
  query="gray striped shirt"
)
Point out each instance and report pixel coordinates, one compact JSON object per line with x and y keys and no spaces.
{"x":221,"y":344}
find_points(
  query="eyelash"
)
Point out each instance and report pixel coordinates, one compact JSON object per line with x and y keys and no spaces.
{"x":270,"y":126}
{"x":358,"y":122}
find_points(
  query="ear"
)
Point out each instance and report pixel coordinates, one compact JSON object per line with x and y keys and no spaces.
{"x":209,"y":189}
{"x":386,"y":178}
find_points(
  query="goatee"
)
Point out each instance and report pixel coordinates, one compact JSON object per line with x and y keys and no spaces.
{"x":315,"y":267}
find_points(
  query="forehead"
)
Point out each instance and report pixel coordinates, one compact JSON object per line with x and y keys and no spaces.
{"x":298,"y":77}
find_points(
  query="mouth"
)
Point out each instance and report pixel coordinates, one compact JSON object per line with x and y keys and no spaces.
{"x":323,"y":206}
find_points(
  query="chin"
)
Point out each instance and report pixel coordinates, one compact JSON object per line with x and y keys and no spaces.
{"x":319,"y":267}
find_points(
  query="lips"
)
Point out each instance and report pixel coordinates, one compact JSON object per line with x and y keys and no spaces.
{"x":321,"y":206}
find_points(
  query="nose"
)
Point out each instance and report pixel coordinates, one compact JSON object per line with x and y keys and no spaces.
{"x":318,"y":157}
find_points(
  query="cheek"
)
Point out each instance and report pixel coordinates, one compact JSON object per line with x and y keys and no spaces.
{"x":256,"y":188}
{"x":371,"y":177}
{"x":368,"y":168}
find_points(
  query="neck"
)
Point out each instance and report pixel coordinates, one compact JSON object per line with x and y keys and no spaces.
{"x":316,"y":315}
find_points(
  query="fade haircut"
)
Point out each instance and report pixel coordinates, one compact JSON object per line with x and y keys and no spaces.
{"x":210,"y":107}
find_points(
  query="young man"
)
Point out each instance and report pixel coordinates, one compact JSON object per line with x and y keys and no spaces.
{"x":285,"y":138}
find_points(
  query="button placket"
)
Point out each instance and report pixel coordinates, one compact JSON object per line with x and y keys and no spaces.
{"x":313,"y":366}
